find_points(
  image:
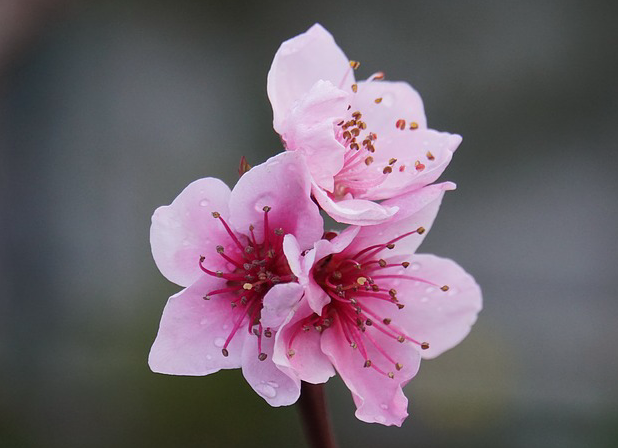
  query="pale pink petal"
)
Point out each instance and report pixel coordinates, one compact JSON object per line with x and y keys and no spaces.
{"x":193,"y":332}
{"x":282,"y":183}
{"x":272,"y":384}
{"x":307,"y":362}
{"x":184,"y":230}
{"x":293,"y":254}
{"x":422,"y":155}
{"x":396,"y":100}
{"x":443,"y":319}
{"x":353,"y":211}
{"x":315,"y":295}
{"x":379,"y":399}
{"x":278,"y":303}
{"x":299,"y":63}
{"x":416,"y":209}
{"x":310,"y":129}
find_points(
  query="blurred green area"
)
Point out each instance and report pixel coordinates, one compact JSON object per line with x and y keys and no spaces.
{"x":108,"y":109}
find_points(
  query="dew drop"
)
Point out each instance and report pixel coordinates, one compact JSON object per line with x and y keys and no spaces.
{"x":219,"y":342}
{"x":388,"y":99}
{"x":425,"y":299}
{"x":415,"y":266}
{"x":266,"y":390}
{"x":430,"y":289}
{"x":384,"y":406}
{"x":272,"y":384}
{"x":204,"y":202}
{"x":262,"y":201}
{"x":208,"y":357}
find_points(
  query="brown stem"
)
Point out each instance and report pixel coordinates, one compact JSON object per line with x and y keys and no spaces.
{"x":312,"y":405}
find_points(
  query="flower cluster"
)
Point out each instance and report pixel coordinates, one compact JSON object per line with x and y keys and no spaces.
{"x":269,"y":291}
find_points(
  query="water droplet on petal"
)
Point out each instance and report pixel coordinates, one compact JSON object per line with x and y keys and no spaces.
{"x":204,"y":202}
{"x":384,"y":406}
{"x":208,"y":357}
{"x":272,"y":384}
{"x":415,"y":266}
{"x":266,"y":391}
{"x":430,"y":289}
{"x":219,"y":342}
{"x":425,"y":299}
{"x":262,"y":201}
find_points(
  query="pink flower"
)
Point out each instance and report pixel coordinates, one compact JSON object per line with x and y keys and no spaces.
{"x":363,"y":142}
{"x":225,"y":248}
{"x":373,"y":308}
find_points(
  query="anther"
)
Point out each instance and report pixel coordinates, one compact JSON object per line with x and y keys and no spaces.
{"x":362,"y":125}
{"x":266,"y":208}
{"x":399,"y":366}
{"x":444,"y":288}
{"x":424,"y":345}
{"x":355,"y":132}
{"x":390,"y":246}
{"x":378,"y":76}
{"x":376,"y":288}
{"x":279,"y":231}
{"x":247,"y":286}
{"x":368,"y":160}
{"x":219,"y":274}
{"x":405,"y":264}
{"x":430,"y":155}
{"x":220,"y":249}
{"x":400,"y":124}
{"x":357,"y":115}
{"x":354,"y":64}
{"x":392,"y":161}
{"x":391,"y":375}
{"x":268,"y":333}
{"x":387,"y":170}
{"x":361,"y":280}
{"x":248,"y":249}
{"x":392,"y":292}
{"x":402,"y":168}
{"x":225,"y":352}
{"x":347,"y":135}
{"x":400,"y":306}
{"x":419,"y":166}
{"x":420,"y":230}
{"x":354,"y":146}
{"x":216,"y":215}
{"x":377,"y":100}
{"x":207,"y":297}
{"x":337,"y":275}
{"x":262,"y":356}
{"x":401,"y":339}
{"x":368,"y":322}
{"x":414,"y":125}
{"x":354,"y":88}
{"x":367,"y":363}
{"x":386,"y":321}
{"x":291,"y":353}
{"x":353,"y":345}
{"x":382,"y":263}
{"x":202,"y":258}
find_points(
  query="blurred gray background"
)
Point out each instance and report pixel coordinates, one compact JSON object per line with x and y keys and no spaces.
{"x":109,"y":108}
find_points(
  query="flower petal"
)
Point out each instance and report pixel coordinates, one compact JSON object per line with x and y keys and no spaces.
{"x":299,"y":63}
{"x":282,"y":183}
{"x":185,"y":230}
{"x":443,"y":319}
{"x":193,"y":331}
{"x":308,"y":362}
{"x":424,"y":154}
{"x":415,"y":209}
{"x":383,"y":103}
{"x":310,"y":129}
{"x":378,"y":398}
{"x":278,"y":303}
{"x":353,"y":211}
{"x":272,"y":384}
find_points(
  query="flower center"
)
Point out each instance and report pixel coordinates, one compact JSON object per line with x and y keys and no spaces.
{"x":253,"y":268}
{"x":356,"y":283}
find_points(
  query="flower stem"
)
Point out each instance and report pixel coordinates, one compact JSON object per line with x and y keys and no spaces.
{"x":312,"y":404}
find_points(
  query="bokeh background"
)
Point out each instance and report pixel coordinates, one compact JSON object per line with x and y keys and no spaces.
{"x":109,"y":108}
